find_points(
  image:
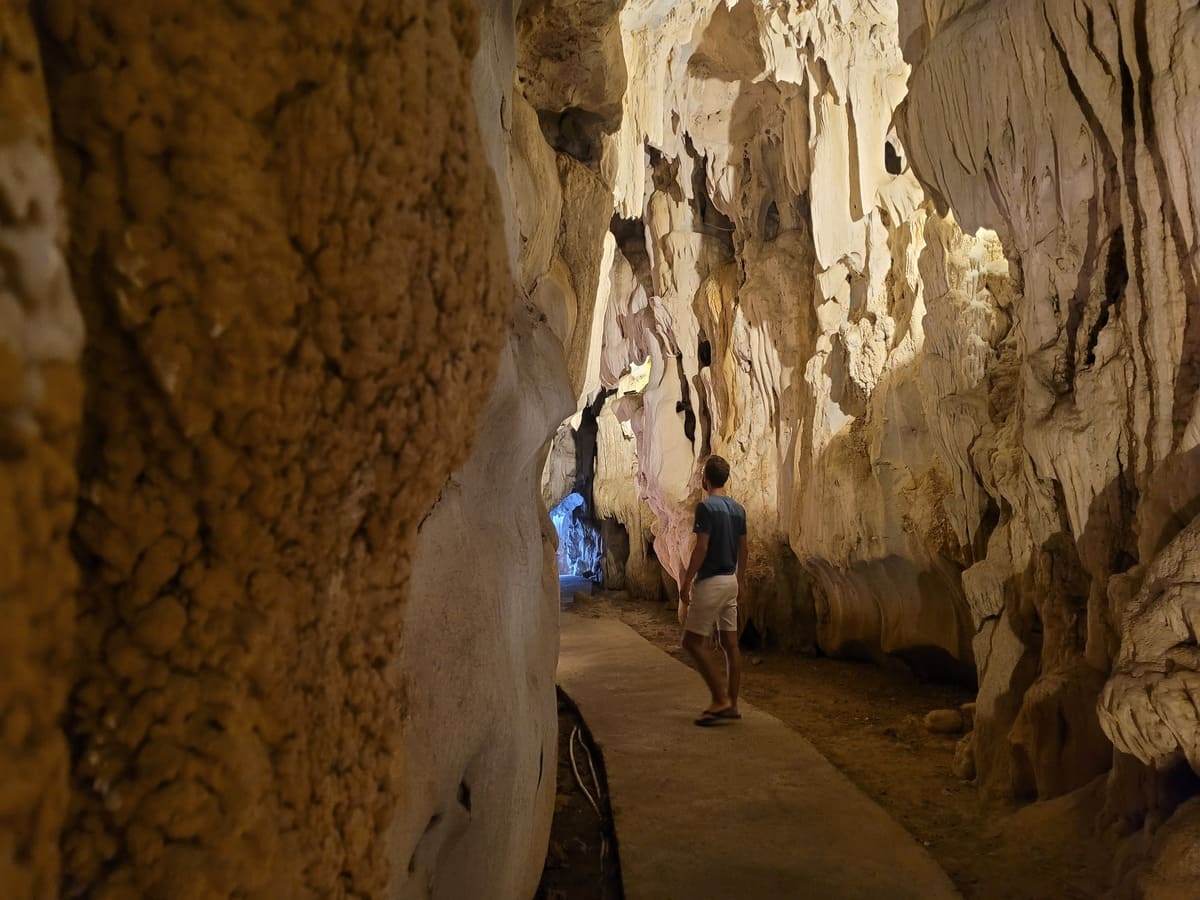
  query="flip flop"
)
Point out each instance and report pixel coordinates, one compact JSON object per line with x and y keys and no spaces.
{"x":726,"y":713}
{"x":708,"y":719}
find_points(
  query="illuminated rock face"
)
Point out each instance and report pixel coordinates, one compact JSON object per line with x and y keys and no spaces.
{"x":768,"y":259}
{"x":936,"y":301}
{"x":1075,"y":153}
{"x":579,"y":547}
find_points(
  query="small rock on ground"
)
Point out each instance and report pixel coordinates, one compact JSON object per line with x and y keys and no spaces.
{"x":944,"y":721}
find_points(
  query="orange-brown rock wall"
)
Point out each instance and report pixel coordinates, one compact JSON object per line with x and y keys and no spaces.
{"x":40,"y":401}
{"x":286,"y":245}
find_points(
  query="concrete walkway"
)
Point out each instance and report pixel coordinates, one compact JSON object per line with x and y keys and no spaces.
{"x":742,"y":811}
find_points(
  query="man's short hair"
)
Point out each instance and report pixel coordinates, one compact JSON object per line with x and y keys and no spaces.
{"x":716,"y":471}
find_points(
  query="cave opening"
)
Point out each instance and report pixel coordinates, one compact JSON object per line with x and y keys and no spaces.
{"x":580,"y":541}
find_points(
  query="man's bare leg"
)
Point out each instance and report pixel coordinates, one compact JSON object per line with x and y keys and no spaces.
{"x":733,"y":666}
{"x":694,"y":645}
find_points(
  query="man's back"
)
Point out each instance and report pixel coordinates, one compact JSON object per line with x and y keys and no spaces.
{"x":724,"y":521}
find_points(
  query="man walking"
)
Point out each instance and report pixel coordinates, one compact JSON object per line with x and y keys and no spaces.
{"x":718,"y":571}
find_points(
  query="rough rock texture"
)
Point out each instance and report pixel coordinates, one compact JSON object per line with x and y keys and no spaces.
{"x":479,"y":647}
{"x":1175,"y":853}
{"x":1076,"y":155}
{"x":287,"y":247}
{"x":766,"y":264}
{"x":478,"y":653}
{"x":41,"y":334}
{"x":579,"y":544}
{"x":1149,"y":707}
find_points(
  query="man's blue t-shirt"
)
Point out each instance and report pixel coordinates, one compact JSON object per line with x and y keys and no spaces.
{"x":724,"y":521}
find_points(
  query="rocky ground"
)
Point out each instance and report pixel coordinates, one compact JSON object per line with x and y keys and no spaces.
{"x":868,"y":721}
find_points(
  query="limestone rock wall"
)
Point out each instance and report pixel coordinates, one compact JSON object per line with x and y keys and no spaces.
{"x":1076,"y":154}
{"x":287,"y":246}
{"x":41,"y":334}
{"x":766,"y":261}
{"x":478,"y":652}
{"x":479,"y":647}
{"x":926,"y":273}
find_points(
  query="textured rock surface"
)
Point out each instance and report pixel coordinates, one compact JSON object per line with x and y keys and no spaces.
{"x":926,"y":273}
{"x":579,"y":547}
{"x":766,"y":263}
{"x":287,"y":247}
{"x":480,"y":631}
{"x":41,"y":334}
{"x":1149,"y":707}
{"x":1102,"y":220}
{"x":1175,"y":870}
{"x":477,"y":658}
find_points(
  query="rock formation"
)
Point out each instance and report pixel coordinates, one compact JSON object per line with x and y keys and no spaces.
{"x":294,"y":301}
{"x":767,"y":261}
{"x":1075,"y":154}
{"x":942,"y":323}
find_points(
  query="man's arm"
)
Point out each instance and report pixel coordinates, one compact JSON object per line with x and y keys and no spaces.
{"x":697,"y":560}
{"x":743,"y":552}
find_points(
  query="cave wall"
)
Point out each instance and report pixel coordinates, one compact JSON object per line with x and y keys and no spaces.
{"x":1076,"y":155}
{"x":41,"y":398}
{"x":766,"y":259}
{"x":287,"y":246}
{"x":317,"y":251}
{"x":480,"y":634}
{"x":935,"y":299}
{"x":925,"y":272}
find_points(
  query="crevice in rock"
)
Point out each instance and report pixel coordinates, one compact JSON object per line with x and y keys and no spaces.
{"x":710,"y":221}
{"x":630,"y":235}
{"x":770,"y":228}
{"x":1116,"y":277}
{"x":893,"y":162}
{"x":684,"y":404}
{"x":575,"y":132}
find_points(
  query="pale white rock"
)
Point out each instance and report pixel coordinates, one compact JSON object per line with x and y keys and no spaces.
{"x":1150,"y":707}
{"x":924,"y":272}
{"x":559,"y":475}
{"x":1075,"y":155}
{"x":478,"y":651}
{"x":476,"y":664}
{"x":754,"y":166}
{"x":40,"y":323}
{"x":618,"y":498}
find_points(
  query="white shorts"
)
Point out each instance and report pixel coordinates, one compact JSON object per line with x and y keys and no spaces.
{"x":714,"y":600}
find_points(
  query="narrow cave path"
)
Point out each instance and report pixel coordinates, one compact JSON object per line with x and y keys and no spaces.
{"x":750,"y":810}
